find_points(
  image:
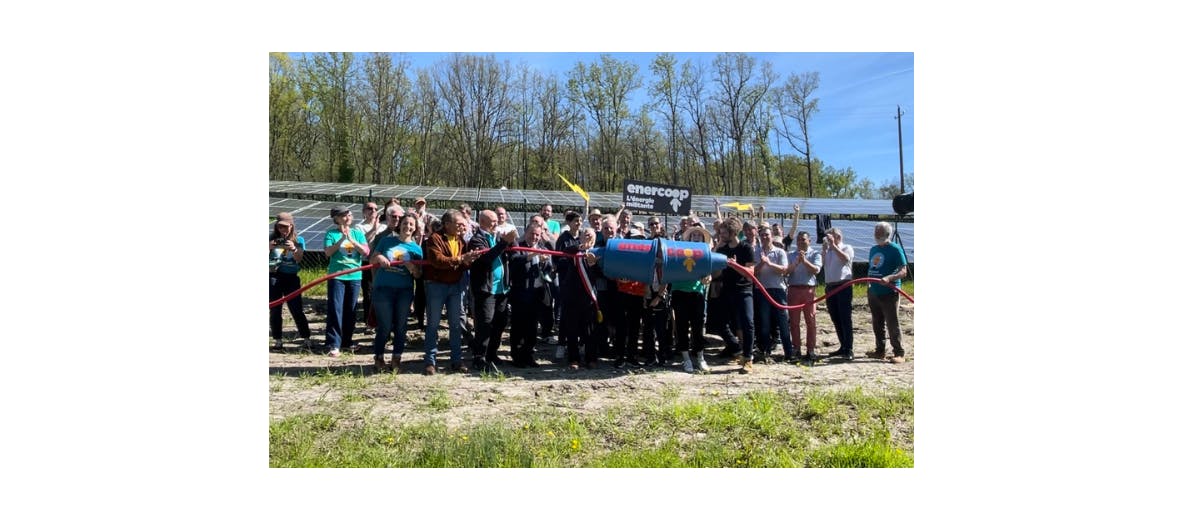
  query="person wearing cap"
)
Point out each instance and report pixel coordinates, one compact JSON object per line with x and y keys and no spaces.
{"x":424,"y":229}
{"x":345,"y":246}
{"x":371,"y":225}
{"x":448,"y":260}
{"x":287,"y":249}
{"x":593,"y":220}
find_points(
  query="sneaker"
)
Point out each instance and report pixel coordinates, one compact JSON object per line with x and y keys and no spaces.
{"x":700,"y":363}
{"x":279,"y":344}
{"x":877,"y":354}
{"x":560,"y":352}
{"x":747,"y":367}
{"x":430,"y":370}
{"x":333,"y":352}
{"x":897,"y":359}
{"x":687,"y":363}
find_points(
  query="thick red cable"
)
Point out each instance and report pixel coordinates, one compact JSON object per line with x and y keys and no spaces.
{"x":745,"y":271}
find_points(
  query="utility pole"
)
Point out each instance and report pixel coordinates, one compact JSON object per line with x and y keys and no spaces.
{"x":900,"y":137}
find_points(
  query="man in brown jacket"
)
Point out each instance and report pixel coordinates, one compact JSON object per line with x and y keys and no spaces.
{"x":448,"y":258}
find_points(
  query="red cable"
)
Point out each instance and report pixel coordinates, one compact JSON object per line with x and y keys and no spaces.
{"x":745,"y":271}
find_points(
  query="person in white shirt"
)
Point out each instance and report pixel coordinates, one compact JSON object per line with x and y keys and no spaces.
{"x":838,"y":258}
{"x":503,"y":223}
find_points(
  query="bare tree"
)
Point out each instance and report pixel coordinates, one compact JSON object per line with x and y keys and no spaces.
{"x":667,"y":92}
{"x":797,"y":103}
{"x":694,"y":103}
{"x":739,"y":92}
{"x":603,"y":90}
{"x":476,"y":104}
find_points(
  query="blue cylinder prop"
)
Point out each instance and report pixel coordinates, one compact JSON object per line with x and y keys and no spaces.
{"x":637,"y":259}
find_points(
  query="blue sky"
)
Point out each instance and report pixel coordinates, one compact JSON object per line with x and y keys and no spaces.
{"x":859,"y":92}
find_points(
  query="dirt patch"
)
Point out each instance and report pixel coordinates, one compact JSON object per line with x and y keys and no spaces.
{"x":296,"y":387}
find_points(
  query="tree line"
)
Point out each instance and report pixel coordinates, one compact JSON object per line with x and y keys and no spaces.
{"x":475,"y":121}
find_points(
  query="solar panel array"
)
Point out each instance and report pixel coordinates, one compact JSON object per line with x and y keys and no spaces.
{"x":879,"y":208}
{"x":312,"y":220}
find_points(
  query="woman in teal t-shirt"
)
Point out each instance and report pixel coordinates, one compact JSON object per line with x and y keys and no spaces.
{"x":394,"y":286}
{"x":345,"y":246}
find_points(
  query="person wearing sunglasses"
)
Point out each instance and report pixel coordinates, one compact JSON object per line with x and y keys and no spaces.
{"x":372,"y":224}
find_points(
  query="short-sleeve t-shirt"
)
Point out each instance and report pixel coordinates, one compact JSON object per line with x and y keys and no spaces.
{"x":346,"y":256}
{"x":801,"y":276}
{"x":770,"y":278}
{"x":730,"y":278}
{"x":882,"y":261}
{"x":393,"y":249}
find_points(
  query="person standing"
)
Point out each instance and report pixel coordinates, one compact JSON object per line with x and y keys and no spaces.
{"x":771,"y":270}
{"x":489,"y":289}
{"x":448,"y":259}
{"x":503,"y":222}
{"x":345,"y":246}
{"x":803,"y":266}
{"x":424,"y":229}
{"x":839,"y":258}
{"x":576,"y":319}
{"x":736,"y":300}
{"x":687,"y":301}
{"x":529,"y":273}
{"x":371,"y":225}
{"x":287,"y":249}
{"x":886,"y":261}
{"x":394,"y":285}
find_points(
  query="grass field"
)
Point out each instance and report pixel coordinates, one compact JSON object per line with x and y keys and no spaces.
{"x":758,"y":429}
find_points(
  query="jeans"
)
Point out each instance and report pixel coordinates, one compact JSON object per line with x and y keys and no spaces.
{"x":438,"y":296}
{"x":391,"y":315}
{"x":839,"y":312}
{"x":283,"y":284}
{"x":773,"y":319}
{"x":884,"y":311}
{"x":803,"y":295}
{"x":340,"y":306}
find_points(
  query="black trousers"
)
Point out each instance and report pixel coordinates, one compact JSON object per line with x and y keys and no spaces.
{"x":491,"y":317}
{"x":689,"y":320}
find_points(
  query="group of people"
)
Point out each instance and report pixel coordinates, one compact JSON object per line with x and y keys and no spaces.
{"x":481,"y":267}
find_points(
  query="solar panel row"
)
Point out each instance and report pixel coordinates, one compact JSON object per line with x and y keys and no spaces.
{"x":312,"y":220}
{"x":607,"y":200}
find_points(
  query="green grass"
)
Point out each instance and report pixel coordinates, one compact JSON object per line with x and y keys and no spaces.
{"x":307,"y":275}
{"x":860,"y":290}
{"x":758,"y":429}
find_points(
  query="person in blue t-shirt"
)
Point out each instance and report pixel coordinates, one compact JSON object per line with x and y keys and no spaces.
{"x":886,"y":261}
{"x":394,"y":286}
{"x":287,"y":249}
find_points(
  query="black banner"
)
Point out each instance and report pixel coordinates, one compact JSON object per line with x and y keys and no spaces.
{"x":657,"y":198}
